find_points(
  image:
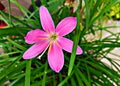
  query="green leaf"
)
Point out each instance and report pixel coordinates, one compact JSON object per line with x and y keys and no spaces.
{"x":44,"y":76}
{"x":76,"y":40}
{"x":103,"y":10}
{"x":28,"y":73}
{"x":16,"y":44}
{"x":83,"y":77}
{"x":33,"y":4}
{"x":55,"y":5}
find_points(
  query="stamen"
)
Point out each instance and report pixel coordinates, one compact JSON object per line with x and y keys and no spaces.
{"x":53,"y":36}
{"x":50,"y":47}
{"x":39,"y":57}
{"x":43,"y":38}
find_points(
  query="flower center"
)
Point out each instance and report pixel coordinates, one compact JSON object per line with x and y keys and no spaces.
{"x":53,"y":37}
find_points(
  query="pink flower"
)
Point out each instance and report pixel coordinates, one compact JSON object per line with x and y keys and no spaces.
{"x":51,"y":38}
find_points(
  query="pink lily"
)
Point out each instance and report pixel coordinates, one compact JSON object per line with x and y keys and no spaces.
{"x":51,"y":38}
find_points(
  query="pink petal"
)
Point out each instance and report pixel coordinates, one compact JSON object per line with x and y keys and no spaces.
{"x":66,"y":26}
{"x":35,"y":50}
{"x":46,"y":20}
{"x":34,"y":36}
{"x":67,"y":45}
{"x":55,"y":58}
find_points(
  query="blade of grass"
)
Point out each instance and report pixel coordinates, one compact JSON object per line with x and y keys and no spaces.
{"x":76,"y":40}
{"x":45,"y":74}
{"x":107,"y":71}
{"x":73,"y":82}
{"x":33,"y":4}
{"x":14,"y":82}
{"x":44,"y":2}
{"x":87,"y":14}
{"x":95,"y":8}
{"x":55,"y":5}
{"x":87,"y":83}
{"x":65,"y":80}
{"x":11,"y":67}
{"x":28,"y":73}
{"x":103,"y":10}
{"x":88,"y":74}
{"x":16,"y":44}
{"x":54,"y":80}
{"x":79,"y":80}
{"x":19,"y":31}
{"x":9,"y":11}
{"x":14,"y":18}
{"x":10,"y":53}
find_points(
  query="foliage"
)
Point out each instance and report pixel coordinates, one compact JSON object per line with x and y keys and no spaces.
{"x":114,"y":12}
{"x":84,"y":70}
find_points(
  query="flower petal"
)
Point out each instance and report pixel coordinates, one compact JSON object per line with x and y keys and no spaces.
{"x":34,"y":36}
{"x":46,"y":20}
{"x":55,"y":58}
{"x":35,"y":50}
{"x":66,"y":26}
{"x":68,"y":44}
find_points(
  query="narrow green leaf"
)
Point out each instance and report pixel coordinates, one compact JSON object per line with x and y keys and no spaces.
{"x":88,"y":73}
{"x":33,"y":4}
{"x":9,"y":8}
{"x":55,"y":5}
{"x":16,"y":44}
{"x":14,"y":31}
{"x":14,"y":82}
{"x":7,"y":54}
{"x":84,"y":79}
{"x":45,"y":74}
{"x":73,"y":82}
{"x":95,"y":8}
{"x":44,"y":2}
{"x":103,"y":10}
{"x":79,"y":80}
{"x":11,"y":68}
{"x":76,"y":40}
{"x":65,"y":80}
{"x":28,"y":73}
{"x":87,"y":13}
{"x":14,"y":18}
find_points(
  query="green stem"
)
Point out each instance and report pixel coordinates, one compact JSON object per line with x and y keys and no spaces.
{"x":45,"y":73}
{"x":28,"y":72}
{"x":9,"y":11}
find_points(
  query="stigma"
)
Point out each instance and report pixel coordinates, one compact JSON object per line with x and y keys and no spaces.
{"x":53,"y":37}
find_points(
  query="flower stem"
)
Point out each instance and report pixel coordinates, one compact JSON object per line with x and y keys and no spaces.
{"x":45,"y":73}
{"x":28,"y":72}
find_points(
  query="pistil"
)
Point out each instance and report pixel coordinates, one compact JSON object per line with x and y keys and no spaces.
{"x":53,"y":37}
